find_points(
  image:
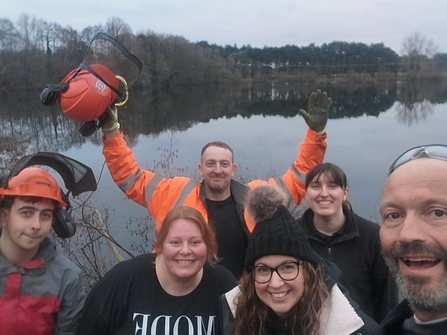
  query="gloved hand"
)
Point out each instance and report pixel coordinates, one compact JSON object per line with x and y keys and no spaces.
{"x":318,"y":109}
{"x":110,"y":120}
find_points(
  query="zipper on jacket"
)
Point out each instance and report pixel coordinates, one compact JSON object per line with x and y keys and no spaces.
{"x":329,"y":254}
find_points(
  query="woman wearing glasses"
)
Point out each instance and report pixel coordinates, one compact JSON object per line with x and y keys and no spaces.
{"x":286,"y":288}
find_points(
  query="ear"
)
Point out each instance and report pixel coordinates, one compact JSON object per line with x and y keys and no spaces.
{"x":346,"y":194}
{"x":200,"y":167}
{"x":234,"y":170}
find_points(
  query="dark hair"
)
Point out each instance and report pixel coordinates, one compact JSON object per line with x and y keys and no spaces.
{"x":333,"y":171}
{"x":8,"y":200}
{"x":193,"y":215}
{"x":303,"y":318}
{"x":218,"y":144}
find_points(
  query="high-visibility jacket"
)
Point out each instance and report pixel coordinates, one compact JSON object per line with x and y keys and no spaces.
{"x":160,"y":194}
{"x":43,"y":296}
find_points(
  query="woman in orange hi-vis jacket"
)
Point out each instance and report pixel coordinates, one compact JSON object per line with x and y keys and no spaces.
{"x":218,"y":197}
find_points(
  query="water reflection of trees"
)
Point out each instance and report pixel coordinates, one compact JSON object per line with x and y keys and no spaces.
{"x":415,"y":100}
{"x":409,"y":113}
{"x":47,"y":129}
{"x":23,"y":117}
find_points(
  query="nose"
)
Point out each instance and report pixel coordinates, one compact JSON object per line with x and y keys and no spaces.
{"x":413,"y":229}
{"x":324,"y":191}
{"x":185,"y":249}
{"x":276,"y":281}
{"x":35,"y":224}
{"x":217,"y":168}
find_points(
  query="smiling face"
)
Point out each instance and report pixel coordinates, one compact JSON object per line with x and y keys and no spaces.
{"x":325,"y":197}
{"x":217,"y":169}
{"x":278,"y":294}
{"x":184,"y":252}
{"x":414,"y":233}
{"x":24,"y":226}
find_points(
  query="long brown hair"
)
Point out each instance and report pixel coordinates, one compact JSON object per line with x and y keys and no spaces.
{"x":302,"y":319}
{"x":193,"y":215}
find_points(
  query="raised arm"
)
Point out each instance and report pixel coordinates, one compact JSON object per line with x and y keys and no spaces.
{"x":312,"y":149}
{"x":156,"y":193}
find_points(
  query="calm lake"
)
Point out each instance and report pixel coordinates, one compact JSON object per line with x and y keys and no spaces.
{"x":369,"y":126}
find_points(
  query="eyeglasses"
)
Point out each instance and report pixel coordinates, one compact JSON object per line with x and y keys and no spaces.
{"x":438,"y":151}
{"x":287,"y":271}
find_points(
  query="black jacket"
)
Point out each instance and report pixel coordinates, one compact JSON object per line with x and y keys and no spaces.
{"x":392,"y":325}
{"x":357,"y":251}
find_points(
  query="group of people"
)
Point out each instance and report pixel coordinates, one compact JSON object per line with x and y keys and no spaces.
{"x":231,"y":259}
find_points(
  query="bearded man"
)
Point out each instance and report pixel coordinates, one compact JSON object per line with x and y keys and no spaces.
{"x":413,"y":233}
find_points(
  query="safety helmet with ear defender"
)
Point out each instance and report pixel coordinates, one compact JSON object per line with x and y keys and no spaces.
{"x":86,"y":92}
{"x":87,"y":96}
{"x":26,"y":180}
{"x":34,"y":182}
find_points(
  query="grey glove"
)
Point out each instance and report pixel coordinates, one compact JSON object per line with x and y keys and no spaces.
{"x":318,"y":109}
{"x":110,"y":121}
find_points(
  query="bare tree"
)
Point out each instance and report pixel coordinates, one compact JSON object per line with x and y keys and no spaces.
{"x":417,"y":50}
{"x":8,"y":36}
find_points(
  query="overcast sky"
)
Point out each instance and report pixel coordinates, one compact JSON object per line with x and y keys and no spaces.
{"x":256,"y":22}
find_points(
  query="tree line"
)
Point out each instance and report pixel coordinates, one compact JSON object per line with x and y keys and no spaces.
{"x":34,"y":52}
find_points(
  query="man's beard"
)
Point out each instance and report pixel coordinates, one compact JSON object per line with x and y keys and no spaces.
{"x":414,"y":289}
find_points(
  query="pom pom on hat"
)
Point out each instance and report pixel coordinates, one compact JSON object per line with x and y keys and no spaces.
{"x":263,"y":201}
{"x":276,"y":231}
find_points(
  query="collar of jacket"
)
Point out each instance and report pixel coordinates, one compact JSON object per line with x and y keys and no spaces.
{"x":351,"y":228}
{"x":337,"y":315}
{"x":396,"y":317}
{"x":35,"y":266}
{"x":332,"y":273}
{"x":238,"y":191}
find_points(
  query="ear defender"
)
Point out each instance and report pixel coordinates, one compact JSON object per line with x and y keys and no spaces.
{"x":64,"y":225}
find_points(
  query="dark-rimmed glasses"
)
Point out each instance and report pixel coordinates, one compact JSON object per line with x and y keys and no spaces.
{"x":438,"y":151}
{"x":286,"y":271}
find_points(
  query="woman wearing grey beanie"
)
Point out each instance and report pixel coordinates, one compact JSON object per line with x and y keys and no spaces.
{"x":286,"y":287}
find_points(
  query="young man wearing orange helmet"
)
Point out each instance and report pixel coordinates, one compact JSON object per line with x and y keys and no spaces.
{"x":41,"y":291}
{"x":219,"y":198}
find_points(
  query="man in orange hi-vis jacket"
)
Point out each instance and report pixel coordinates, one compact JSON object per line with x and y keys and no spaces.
{"x":218,"y":196}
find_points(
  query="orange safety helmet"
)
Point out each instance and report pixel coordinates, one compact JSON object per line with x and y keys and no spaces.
{"x":87,"y":97}
{"x":34,"y":182}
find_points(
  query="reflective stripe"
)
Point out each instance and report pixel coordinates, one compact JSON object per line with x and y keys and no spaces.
{"x":150,"y":187}
{"x":187,"y":189}
{"x":291,"y":205}
{"x":300,"y":176}
{"x":129,"y":182}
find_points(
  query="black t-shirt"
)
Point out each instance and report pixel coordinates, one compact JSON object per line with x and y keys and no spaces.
{"x":129,"y":300}
{"x":230,"y":236}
